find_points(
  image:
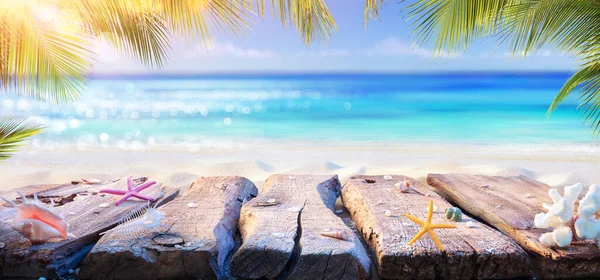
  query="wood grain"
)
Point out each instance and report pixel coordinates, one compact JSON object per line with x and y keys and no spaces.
{"x":471,"y":253}
{"x":196,"y":246}
{"x":503,"y":204}
{"x":80,"y":204}
{"x":281,"y":233}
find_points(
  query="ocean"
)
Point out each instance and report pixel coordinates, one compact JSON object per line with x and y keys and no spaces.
{"x":145,"y":112}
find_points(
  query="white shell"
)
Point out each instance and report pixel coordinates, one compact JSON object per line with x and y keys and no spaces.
{"x":192,"y":205}
{"x":387,"y":177}
{"x":36,"y":222}
{"x":470,"y":224}
{"x":339,"y":211}
{"x":388,"y":213}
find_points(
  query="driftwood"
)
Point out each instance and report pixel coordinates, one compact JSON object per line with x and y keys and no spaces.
{"x":501,"y":202}
{"x":480,"y":252}
{"x":285,"y":230}
{"x":83,"y":209}
{"x":202,"y":221}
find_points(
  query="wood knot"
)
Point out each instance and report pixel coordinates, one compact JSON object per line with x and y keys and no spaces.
{"x":167,"y":240}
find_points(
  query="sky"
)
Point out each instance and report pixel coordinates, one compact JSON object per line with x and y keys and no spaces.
{"x":384,"y":46}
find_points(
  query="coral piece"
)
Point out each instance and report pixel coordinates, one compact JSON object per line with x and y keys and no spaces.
{"x":341,"y":235}
{"x":36,"y":222}
{"x":453,"y":214}
{"x":138,"y":223}
{"x":560,"y":217}
{"x":560,"y":237}
{"x":131,"y":191}
{"x":427,"y":227}
{"x":586,"y":227}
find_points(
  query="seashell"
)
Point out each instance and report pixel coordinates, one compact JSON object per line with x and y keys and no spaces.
{"x":139,"y":223}
{"x":453,"y":214}
{"x":2,"y":244}
{"x":388,"y":213}
{"x":339,"y":211}
{"x":279,"y":235}
{"x":341,"y":235}
{"x":272,"y":200}
{"x":104,"y":205}
{"x":91,"y":181}
{"x":387,"y":177}
{"x":527,"y":195}
{"x":434,"y":209}
{"x":36,"y":222}
{"x":380,"y":202}
{"x":192,"y":205}
{"x":71,"y":271}
{"x":470,"y":224}
{"x":498,"y":206}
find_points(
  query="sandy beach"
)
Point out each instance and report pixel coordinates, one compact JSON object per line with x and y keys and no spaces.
{"x":555,"y":165}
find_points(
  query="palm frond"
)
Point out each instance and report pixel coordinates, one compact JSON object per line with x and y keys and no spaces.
{"x":587,"y":82}
{"x":311,"y":18}
{"x":454,"y":24}
{"x":13,"y":131}
{"x":372,"y":9}
{"x":127,"y":25}
{"x":566,"y":25}
{"x":42,"y":59}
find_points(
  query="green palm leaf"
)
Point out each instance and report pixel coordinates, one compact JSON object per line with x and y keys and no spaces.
{"x":13,"y":131}
{"x":525,"y":26}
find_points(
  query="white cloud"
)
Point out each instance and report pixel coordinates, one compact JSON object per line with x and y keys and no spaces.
{"x":395,"y":47}
{"x":227,"y":49}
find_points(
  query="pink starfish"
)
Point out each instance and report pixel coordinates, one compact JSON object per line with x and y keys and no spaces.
{"x":131,"y":191}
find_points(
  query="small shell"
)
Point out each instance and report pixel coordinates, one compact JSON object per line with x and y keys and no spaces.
{"x":341,"y":235}
{"x":498,"y":206}
{"x":339,"y":211}
{"x":388,"y":213}
{"x":434,"y":209}
{"x":91,"y":181}
{"x":104,"y":205}
{"x":470,"y":224}
{"x":527,"y":195}
{"x":2,"y":244}
{"x":380,"y":202}
{"x":453,"y":214}
{"x":71,"y":271}
{"x":387,"y":177}
{"x":278,"y":234}
{"x":272,"y":200}
{"x":192,"y":205}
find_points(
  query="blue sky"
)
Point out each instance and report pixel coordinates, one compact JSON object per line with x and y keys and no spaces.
{"x":385,"y":46}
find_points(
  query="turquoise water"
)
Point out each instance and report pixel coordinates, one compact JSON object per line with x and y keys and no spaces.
{"x":160,"y":111}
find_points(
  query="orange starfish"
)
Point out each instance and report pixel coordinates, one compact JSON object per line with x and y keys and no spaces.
{"x":428,"y":227}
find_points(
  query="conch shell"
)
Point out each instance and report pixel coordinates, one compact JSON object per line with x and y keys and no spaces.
{"x":341,"y":235}
{"x":36,"y":222}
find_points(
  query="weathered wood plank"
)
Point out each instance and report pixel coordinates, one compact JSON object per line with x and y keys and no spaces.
{"x":80,"y":204}
{"x":195,"y":247}
{"x":481,"y":252}
{"x":502,"y":203}
{"x":281,"y":231}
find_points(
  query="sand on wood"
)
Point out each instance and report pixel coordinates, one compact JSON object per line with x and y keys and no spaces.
{"x":377,"y":208}
{"x":202,"y":221}
{"x":501,"y":202}
{"x":86,"y":211}
{"x":282,"y":233}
